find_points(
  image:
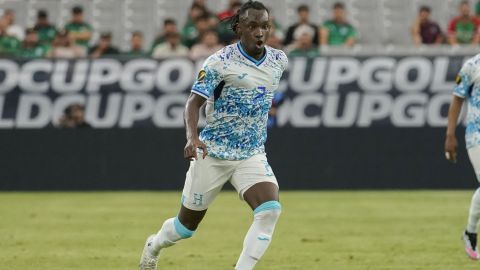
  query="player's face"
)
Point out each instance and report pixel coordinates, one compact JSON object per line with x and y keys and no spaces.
{"x":254,"y":29}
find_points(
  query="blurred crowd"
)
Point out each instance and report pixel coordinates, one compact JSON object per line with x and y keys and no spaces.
{"x":206,"y":32}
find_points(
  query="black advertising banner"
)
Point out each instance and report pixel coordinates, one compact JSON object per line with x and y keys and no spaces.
{"x":410,"y":91}
{"x":344,"y":123}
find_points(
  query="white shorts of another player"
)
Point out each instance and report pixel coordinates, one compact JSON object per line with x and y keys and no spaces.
{"x":206,"y":177}
{"x":474,"y":155}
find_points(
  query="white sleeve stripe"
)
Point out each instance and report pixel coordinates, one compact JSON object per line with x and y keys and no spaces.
{"x":199,"y":90}
{"x":200,"y":93}
{"x":458,"y":95}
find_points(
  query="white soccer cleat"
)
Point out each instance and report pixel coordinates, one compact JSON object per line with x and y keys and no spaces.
{"x":470,"y":242}
{"x":148,"y":260}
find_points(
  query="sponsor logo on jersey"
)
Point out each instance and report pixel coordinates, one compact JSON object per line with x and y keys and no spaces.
{"x":201,"y":75}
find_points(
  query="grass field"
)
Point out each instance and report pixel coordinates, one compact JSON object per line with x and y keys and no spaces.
{"x":318,"y":230}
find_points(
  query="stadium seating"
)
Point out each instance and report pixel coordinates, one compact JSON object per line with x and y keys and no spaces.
{"x":379,"y":22}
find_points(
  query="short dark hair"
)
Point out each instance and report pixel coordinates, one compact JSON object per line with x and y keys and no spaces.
{"x":30,"y":31}
{"x":203,"y":17}
{"x":137,"y":33}
{"x":169,"y":21}
{"x":209,"y":31}
{"x":62,"y":33}
{"x":42,"y":14}
{"x":339,"y":5}
{"x":424,"y":9}
{"x":236,"y":4}
{"x":77,"y":10}
{"x":303,"y":8}
{"x":106,"y":35}
{"x":235,"y":19}
{"x":464,"y":2}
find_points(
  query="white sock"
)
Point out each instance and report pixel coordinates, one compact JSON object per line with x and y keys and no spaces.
{"x":259,"y":235}
{"x":171,"y":231}
{"x":474,"y":214}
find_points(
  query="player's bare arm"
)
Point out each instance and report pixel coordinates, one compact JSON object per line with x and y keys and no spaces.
{"x":451,"y":139}
{"x":191,"y":116}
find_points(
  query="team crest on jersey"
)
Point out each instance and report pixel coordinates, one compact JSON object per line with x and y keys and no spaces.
{"x":458,"y":79}
{"x":201,"y":75}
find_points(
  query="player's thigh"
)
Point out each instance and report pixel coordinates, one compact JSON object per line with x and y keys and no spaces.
{"x":474,"y":155}
{"x":204,"y":180}
{"x":255,"y":173}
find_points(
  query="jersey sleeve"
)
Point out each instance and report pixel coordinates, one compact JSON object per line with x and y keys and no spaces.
{"x":464,"y":80}
{"x":209,"y":77}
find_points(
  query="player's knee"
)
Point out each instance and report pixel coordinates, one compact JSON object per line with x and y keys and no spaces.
{"x":269,"y":211}
{"x":181,"y":230}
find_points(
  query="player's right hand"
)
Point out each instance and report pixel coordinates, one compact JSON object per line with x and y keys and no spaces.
{"x":451,"y":149}
{"x":190,"y":151}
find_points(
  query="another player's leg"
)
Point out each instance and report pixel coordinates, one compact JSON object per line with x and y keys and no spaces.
{"x":258,"y":186}
{"x":469,"y":237}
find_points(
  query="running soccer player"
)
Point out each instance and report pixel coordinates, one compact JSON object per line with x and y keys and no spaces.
{"x":468,"y":87}
{"x":237,"y":83}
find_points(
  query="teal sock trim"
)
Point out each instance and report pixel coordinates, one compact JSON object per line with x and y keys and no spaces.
{"x":270,"y":205}
{"x":182,"y":230}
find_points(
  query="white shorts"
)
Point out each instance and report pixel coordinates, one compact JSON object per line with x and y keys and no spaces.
{"x":474,"y":155}
{"x":206,"y":177}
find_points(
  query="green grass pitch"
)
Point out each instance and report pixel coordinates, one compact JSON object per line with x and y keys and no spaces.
{"x":317,"y":230}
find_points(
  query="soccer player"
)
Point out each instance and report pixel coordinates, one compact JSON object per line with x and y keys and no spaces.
{"x":237,"y":83}
{"x":468,"y":87}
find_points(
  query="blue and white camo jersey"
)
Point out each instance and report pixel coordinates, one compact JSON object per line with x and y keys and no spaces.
{"x":468,"y":87}
{"x":239,"y":91}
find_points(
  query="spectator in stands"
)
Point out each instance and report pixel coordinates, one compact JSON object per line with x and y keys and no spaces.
{"x":104,"y":47}
{"x":225,"y":32}
{"x":233,"y":6}
{"x":31,"y":47}
{"x":79,"y":31}
{"x":64,"y":47}
{"x":208,"y":45}
{"x":169,"y":26}
{"x":337,"y":31}
{"x":136,"y":45}
{"x":9,"y":45}
{"x":303,"y":45}
{"x":276,"y":34}
{"x":464,"y":29}
{"x":46,"y":31}
{"x":202,"y":24}
{"x":171,"y":48}
{"x":212,"y":18}
{"x":424,"y":30}
{"x":303,"y":13}
{"x":189,"y":32}
{"x":13,"y":29}
{"x":74,"y":117}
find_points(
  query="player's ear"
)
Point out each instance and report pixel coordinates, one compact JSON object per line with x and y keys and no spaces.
{"x":238,"y":30}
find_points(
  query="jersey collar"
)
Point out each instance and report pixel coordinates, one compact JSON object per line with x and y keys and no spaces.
{"x":253,"y":60}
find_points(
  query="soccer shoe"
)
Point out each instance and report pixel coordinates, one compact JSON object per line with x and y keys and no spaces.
{"x":470,"y":242}
{"x":148,"y":260}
